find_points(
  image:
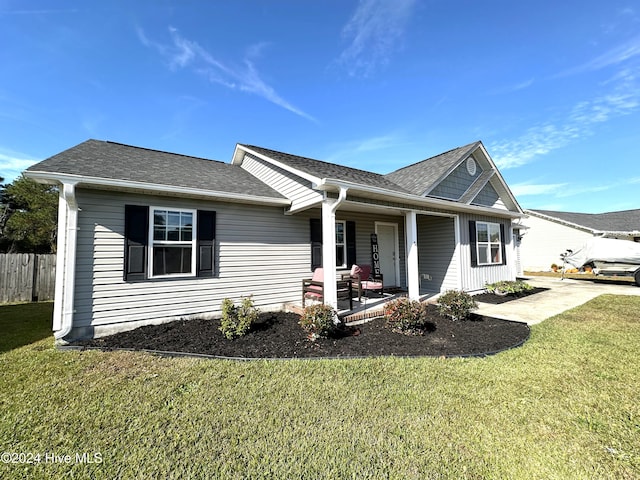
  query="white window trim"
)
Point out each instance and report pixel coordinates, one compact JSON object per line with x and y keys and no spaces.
{"x":152,"y":242}
{"x":343,"y":243}
{"x":487,"y":245}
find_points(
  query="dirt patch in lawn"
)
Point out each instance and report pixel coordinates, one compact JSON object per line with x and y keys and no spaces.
{"x":498,"y":299}
{"x":278,"y":335}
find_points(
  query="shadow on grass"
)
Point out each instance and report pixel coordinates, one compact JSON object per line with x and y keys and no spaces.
{"x":24,"y":324}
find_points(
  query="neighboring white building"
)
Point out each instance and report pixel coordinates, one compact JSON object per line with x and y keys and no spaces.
{"x":549,"y":233}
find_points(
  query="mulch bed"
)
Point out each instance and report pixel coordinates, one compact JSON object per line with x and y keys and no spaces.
{"x":497,"y":299}
{"x":278,"y":335}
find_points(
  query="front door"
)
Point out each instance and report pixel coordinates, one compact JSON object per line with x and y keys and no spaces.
{"x":388,"y":248}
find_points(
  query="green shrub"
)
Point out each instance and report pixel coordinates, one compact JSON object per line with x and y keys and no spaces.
{"x":456,"y":304}
{"x":508,"y":287}
{"x":237,"y":321}
{"x":319,"y":321}
{"x":406,"y":316}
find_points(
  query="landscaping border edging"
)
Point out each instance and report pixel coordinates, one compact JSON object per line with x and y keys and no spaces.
{"x":205,"y":356}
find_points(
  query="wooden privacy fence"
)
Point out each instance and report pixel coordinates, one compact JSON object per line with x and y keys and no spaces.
{"x":27,"y":277}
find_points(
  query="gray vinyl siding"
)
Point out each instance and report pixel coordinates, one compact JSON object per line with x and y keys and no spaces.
{"x":295,"y":188}
{"x":437,"y":253}
{"x":488,"y":197}
{"x":475,"y":278}
{"x":458,"y":181}
{"x":259,"y":252}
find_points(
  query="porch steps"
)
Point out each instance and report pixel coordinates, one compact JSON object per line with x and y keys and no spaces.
{"x":356,"y":317}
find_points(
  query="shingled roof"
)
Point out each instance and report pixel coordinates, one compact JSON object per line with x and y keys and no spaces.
{"x":321,"y":169}
{"x":623,"y":221}
{"x":115,"y":161}
{"x":422,"y":176}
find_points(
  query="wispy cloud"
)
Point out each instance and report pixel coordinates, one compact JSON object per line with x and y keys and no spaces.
{"x":623,"y":98}
{"x":374,"y":149}
{"x":12,"y":165}
{"x":526,"y":189}
{"x":374,"y":32}
{"x":39,"y":12}
{"x":183,"y":53}
{"x":564,"y":190}
{"x":615,"y":56}
{"x":513,"y":88}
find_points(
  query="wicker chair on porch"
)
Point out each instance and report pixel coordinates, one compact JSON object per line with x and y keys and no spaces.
{"x":313,"y":288}
{"x":363,"y":280}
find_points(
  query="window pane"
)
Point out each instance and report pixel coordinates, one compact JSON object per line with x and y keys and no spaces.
{"x":186,"y":219}
{"x":481,"y":230}
{"x":339,"y":256}
{"x":171,"y":260}
{"x":159,"y":233}
{"x":482,"y":254}
{"x":494,"y":231}
{"x":173,"y":234}
{"x":496,"y":254}
{"x":159,"y":217}
{"x":340,"y":232}
{"x":185,"y":234}
{"x":174,"y":219}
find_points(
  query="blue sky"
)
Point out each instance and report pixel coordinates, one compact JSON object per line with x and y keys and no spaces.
{"x":551,"y":88}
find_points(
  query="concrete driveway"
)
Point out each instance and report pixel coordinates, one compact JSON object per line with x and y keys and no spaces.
{"x":561,"y":296}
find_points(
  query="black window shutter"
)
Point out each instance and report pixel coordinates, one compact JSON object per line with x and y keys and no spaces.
{"x":503,"y":240}
{"x":351,"y":243}
{"x":472,"y":243}
{"x":315,"y":228}
{"x":206,"y":239}
{"x":136,"y":238}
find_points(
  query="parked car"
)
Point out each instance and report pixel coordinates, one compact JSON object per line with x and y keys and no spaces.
{"x":607,"y":256}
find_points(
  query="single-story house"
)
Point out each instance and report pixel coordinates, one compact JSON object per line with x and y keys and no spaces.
{"x":549,"y":233}
{"x":146,"y":236}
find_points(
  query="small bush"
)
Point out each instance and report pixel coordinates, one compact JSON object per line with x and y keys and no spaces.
{"x":319,"y":321}
{"x":508,"y":287}
{"x":406,"y":316}
{"x":237,"y":321}
{"x":456,"y":304}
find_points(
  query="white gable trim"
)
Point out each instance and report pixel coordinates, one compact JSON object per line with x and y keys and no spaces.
{"x":238,"y":157}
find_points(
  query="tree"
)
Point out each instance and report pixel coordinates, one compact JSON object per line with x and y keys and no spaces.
{"x":28,"y":217}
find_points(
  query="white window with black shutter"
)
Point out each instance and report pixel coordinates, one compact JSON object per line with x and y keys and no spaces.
{"x":171,"y":242}
{"x":487,"y":243}
{"x":345,"y":243}
{"x":164,"y":242}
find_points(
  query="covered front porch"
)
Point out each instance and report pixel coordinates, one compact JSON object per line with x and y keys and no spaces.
{"x":364,"y":308}
{"x":413,"y":251}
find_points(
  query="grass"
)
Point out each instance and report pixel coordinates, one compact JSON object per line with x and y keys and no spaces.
{"x":23,"y":324}
{"x":566,"y":405}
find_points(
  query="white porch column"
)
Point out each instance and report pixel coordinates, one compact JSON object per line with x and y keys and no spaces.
{"x":413,"y":275}
{"x":329,"y":207}
{"x":329,"y":253}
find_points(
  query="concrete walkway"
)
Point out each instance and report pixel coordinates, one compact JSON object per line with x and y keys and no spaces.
{"x":561,"y":296}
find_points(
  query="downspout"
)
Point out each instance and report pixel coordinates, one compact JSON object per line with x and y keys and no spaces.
{"x":329,"y":247}
{"x":61,"y":247}
{"x":67,"y":293}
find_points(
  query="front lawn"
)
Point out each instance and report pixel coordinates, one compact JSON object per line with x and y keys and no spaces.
{"x":565,"y":405}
